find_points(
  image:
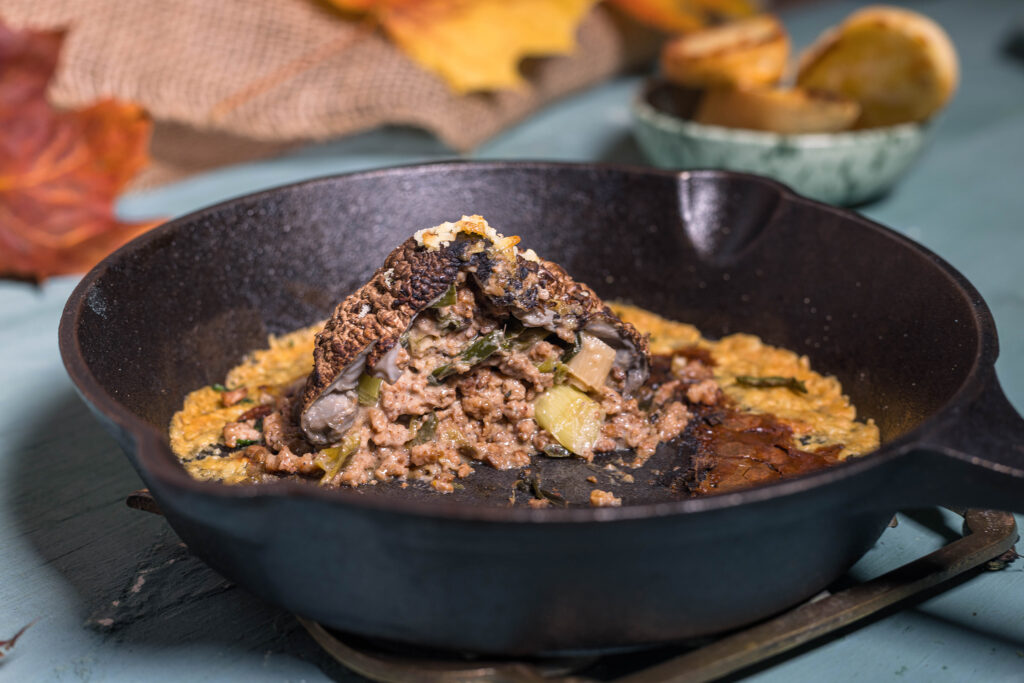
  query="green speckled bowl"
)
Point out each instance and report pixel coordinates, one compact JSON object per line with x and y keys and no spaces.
{"x":843,"y":168}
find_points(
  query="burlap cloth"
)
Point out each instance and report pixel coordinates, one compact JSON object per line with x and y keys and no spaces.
{"x":233,"y":80}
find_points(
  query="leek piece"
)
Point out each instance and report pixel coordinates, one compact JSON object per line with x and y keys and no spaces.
{"x":548,"y":365}
{"x":333,"y":458}
{"x":792,"y":383}
{"x":446,"y":299}
{"x":447,"y":321}
{"x":426,"y":430}
{"x":479,"y":350}
{"x":461,"y":443}
{"x":592,"y":363}
{"x":525,"y":339}
{"x":569,"y":415}
{"x":561,"y":373}
{"x":368,"y":390}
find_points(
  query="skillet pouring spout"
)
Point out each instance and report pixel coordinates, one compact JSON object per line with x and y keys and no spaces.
{"x":727,"y":252}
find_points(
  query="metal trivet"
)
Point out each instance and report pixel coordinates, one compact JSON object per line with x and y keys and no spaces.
{"x":988,"y":539}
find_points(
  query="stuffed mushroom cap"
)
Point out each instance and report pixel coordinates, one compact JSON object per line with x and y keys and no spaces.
{"x":363,"y":335}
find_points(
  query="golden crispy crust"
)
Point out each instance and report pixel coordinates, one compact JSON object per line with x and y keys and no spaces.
{"x":897,"y":64}
{"x":741,"y":54}
{"x":782,"y":110}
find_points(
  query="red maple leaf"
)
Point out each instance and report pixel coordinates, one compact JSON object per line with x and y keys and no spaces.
{"x":60,"y":171}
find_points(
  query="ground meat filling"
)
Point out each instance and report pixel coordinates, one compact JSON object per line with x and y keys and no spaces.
{"x":461,"y":401}
{"x":495,"y":409}
{"x":438,"y":431}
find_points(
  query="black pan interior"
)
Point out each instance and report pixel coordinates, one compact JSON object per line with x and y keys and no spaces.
{"x":726,"y":252}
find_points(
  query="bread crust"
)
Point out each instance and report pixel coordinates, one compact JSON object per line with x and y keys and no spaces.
{"x":742,"y":54}
{"x":781,"y":110}
{"x":899,"y":65}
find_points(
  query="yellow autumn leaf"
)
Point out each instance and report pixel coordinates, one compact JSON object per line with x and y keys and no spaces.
{"x":683,"y":16}
{"x":476,"y":44}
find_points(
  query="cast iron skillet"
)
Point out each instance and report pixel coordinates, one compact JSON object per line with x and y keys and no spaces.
{"x":910,"y":339}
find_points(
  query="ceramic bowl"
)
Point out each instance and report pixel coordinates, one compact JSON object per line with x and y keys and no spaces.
{"x":844,"y":168}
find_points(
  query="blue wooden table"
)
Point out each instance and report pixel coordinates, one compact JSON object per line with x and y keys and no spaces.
{"x":117,"y":598}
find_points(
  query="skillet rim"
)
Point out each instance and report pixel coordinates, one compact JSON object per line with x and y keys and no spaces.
{"x":153,"y":457}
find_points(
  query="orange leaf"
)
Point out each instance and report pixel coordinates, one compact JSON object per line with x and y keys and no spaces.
{"x":60,"y":171}
{"x":683,"y":16}
{"x":476,"y":44}
{"x":8,"y":645}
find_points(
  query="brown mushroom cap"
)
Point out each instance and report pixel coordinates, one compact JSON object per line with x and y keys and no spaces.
{"x":366,"y":327}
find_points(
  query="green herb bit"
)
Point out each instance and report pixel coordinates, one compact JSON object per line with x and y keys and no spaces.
{"x":368,"y":390}
{"x":218,"y":387}
{"x":524,"y":339}
{"x":426,"y":430}
{"x":561,"y":373}
{"x":242,"y":443}
{"x":450,"y":323}
{"x":792,"y":383}
{"x":544,"y":494}
{"x":520,"y":337}
{"x":446,"y":299}
{"x":548,"y":365}
{"x":461,"y":443}
{"x":553,"y":450}
{"x":478,"y":351}
{"x":576,"y":348}
{"x":247,"y":400}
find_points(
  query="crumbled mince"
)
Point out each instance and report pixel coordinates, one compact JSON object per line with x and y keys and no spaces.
{"x":604,"y":499}
{"x":463,"y":352}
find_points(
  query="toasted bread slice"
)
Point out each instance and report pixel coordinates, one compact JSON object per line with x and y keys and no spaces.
{"x":745,"y":53}
{"x":782,"y":110}
{"x":897,"y":64}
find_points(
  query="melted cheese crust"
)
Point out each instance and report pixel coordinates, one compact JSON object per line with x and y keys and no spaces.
{"x":201,"y":420}
{"x":821,"y":417}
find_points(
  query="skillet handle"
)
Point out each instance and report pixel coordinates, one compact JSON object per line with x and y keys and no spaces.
{"x":974,"y":459}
